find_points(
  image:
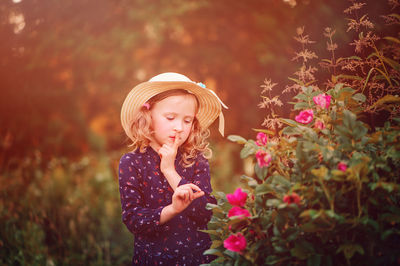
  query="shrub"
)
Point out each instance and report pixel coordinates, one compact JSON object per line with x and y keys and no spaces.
{"x":67,"y":213}
{"x":329,"y":195}
{"x":326,"y":189}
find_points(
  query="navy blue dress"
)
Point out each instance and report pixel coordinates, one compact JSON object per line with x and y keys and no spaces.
{"x":145,"y":192}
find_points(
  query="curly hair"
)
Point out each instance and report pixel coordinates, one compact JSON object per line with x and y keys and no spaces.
{"x":141,"y":130}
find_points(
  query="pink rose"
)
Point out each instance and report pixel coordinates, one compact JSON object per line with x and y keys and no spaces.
{"x":237,"y":211}
{"x":322,"y":100}
{"x":236,"y":243}
{"x":263,"y":158}
{"x":305,"y":116}
{"x":262,"y":139}
{"x":319,"y":124}
{"x":294,"y":198}
{"x":238,"y":198}
{"x":342,"y":166}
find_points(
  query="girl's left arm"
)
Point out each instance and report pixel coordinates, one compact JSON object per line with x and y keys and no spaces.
{"x":197,"y":209}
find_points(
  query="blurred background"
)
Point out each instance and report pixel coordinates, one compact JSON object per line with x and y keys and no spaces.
{"x":65,"y":69}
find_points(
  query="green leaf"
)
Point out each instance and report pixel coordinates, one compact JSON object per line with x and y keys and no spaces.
{"x":391,"y":63}
{"x":392,"y":39}
{"x":269,"y":132}
{"x":237,"y":139}
{"x":213,"y":251}
{"x":314,"y":260}
{"x":277,"y":179}
{"x":387,"y":99}
{"x":273,"y":202}
{"x":210,"y":206}
{"x":264,"y":188}
{"x":349,"y":77}
{"x":216,"y":244}
{"x":272,"y":259}
{"x":301,"y":96}
{"x":288,"y":122}
{"x":349,"y":249}
{"x":300,"y":106}
{"x":251,"y":182}
{"x":261,"y":172}
{"x":320,"y":172}
{"x":211,"y":232}
{"x":359,"y":97}
{"x":299,"y":82}
{"x":300,"y":251}
{"x":349,"y":58}
{"x":248,"y":149}
{"x":397,"y":16}
{"x":389,"y":232}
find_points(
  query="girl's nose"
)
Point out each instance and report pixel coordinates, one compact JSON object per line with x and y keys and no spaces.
{"x":178,"y":126}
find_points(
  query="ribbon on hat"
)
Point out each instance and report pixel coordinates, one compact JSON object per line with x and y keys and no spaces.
{"x":221,"y":125}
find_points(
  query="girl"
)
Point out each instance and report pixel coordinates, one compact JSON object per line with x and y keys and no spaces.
{"x":164,"y":182}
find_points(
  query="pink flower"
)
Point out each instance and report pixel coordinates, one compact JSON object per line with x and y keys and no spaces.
{"x":237,"y":211}
{"x":319,"y":124}
{"x":294,"y":198}
{"x":236,"y":243}
{"x":305,"y":116}
{"x":263,"y":158}
{"x":322,"y":100}
{"x":262,"y":139}
{"x":238,"y":198}
{"x":342,"y":166}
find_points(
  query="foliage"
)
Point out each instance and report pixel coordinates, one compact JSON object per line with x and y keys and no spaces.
{"x":326,"y":188}
{"x":346,"y":183}
{"x":67,"y":214}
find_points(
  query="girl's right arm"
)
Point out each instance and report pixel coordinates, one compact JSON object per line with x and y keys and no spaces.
{"x":135,"y":215}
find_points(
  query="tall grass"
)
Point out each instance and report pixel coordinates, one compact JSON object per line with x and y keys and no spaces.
{"x":64,"y":213}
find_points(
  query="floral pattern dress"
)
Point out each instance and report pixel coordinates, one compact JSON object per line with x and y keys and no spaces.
{"x":144,"y":192}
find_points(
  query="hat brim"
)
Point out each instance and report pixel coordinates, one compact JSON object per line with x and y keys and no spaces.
{"x":208,"y":110}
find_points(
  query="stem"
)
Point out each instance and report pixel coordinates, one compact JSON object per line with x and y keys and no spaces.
{"x":383,"y":64}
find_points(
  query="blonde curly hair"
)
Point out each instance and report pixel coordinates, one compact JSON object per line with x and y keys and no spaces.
{"x":141,"y":130}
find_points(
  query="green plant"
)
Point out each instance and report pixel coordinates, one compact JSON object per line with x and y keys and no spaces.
{"x":325,"y":192}
{"x":326,"y":189}
{"x":66,"y":213}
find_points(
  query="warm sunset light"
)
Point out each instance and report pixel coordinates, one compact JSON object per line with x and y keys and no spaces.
{"x":271,"y":136}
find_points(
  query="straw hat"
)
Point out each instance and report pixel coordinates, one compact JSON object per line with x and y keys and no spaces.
{"x":209,"y":103}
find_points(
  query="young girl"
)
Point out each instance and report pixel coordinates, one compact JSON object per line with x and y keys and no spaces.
{"x":165,"y":181}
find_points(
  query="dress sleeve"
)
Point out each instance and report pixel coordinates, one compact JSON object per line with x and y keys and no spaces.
{"x":197,"y":209}
{"x":136,"y":217}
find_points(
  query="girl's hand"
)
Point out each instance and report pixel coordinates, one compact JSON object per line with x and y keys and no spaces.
{"x":168,"y":154}
{"x":184,"y":195}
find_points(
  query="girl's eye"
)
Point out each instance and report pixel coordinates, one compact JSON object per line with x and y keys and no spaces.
{"x":188,"y":121}
{"x":170,"y":118}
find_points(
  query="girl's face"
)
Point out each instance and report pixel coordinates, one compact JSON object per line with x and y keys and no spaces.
{"x":171,"y":117}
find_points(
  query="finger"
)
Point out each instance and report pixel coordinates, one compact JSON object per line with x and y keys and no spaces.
{"x":181,"y":194}
{"x":161,"y":151}
{"x":194,"y":187}
{"x":175,"y":145}
{"x":198,"y":195}
{"x":190,"y":194}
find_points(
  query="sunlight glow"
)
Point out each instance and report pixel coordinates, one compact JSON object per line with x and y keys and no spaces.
{"x":18,"y":20}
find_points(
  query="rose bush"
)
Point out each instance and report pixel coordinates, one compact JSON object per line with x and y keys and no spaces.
{"x":326,"y":184}
{"x":321,"y":195}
